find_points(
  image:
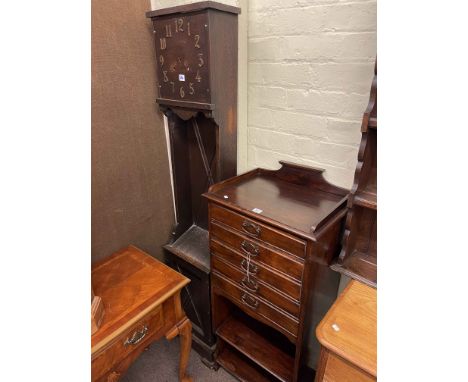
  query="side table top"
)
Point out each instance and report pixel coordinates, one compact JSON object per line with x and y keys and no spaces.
{"x":349,"y":329}
{"x":131,"y":283}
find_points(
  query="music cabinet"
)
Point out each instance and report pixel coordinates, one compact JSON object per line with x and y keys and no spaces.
{"x":196,"y":59}
{"x":272,"y":235}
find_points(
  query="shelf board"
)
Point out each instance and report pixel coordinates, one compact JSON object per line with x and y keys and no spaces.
{"x":372,"y":123}
{"x":242,"y":369}
{"x":193,"y":247}
{"x":366,"y":198}
{"x":359,"y":266}
{"x":257,"y":348}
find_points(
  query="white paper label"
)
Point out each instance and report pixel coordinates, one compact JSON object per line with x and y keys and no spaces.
{"x":181,"y":77}
{"x":257,"y":210}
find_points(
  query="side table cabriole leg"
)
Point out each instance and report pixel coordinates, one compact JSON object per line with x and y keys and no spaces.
{"x":184,"y":330}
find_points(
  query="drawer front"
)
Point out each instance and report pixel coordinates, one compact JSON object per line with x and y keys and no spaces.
{"x":255,"y":286}
{"x":250,"y":303}
{"x":134,"y":339}
{"x":258,"y":252}
{"x":258,"y":230}
{"x":337,"y":370}
{"x":286,"y":285}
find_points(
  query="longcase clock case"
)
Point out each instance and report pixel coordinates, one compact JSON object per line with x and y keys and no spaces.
{"x":196,"y":58}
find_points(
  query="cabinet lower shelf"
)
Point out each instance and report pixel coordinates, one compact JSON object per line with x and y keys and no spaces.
{"x":257,"y":349}
{"x":359,"y":266}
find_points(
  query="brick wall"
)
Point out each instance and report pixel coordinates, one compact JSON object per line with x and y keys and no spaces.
{"x":310,"y":66}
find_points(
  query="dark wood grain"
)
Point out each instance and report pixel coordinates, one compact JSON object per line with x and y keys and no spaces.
{"x":265,"y":263}
{"x":257,"y":348}
{"x":196,"y":66}
{"x":358,"y":258}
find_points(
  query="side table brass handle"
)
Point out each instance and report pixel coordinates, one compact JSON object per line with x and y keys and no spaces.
{"x":137,"y":336}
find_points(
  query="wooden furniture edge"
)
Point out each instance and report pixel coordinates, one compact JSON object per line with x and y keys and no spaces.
{"x":105,"y":341}
{"x":320,"y":330}
{"x":193,"y":7}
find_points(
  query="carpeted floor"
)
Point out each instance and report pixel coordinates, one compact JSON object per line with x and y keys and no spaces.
{"x":160,"y":363}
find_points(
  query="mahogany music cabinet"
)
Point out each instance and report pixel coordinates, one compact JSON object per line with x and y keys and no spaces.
{"x":272,"y":234}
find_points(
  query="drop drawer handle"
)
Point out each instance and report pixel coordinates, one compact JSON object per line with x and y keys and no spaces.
{"x":253,"y":269}
{"x":249,"y":301}
{"x":250,"y":285}
{"x":137,"y":336}
{"x":249,"y":248}
{"x":251,"y":228}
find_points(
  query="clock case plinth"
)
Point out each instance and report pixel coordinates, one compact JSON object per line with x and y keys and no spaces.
{"x":202,"y":131}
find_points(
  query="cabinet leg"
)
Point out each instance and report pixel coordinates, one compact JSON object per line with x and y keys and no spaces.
{"x":184,"y":330}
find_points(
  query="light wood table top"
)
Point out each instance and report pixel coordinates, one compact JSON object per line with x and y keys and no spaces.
{"x":349,"y":329}
{"x":130,"y":283}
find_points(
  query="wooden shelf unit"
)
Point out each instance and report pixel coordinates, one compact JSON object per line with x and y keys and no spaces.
{"x":358,"y":258}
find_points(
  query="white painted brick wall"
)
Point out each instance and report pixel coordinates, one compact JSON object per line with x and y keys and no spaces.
{"x":310,"y":66}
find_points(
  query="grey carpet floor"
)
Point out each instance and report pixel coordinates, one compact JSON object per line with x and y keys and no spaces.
{"x":160,"y":363}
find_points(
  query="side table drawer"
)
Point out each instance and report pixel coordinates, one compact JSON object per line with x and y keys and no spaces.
{"x":134,"y":339}
{"x":258,"y":230}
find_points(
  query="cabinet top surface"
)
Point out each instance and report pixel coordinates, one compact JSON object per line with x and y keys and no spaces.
{"x":193,"y":7}
{"x":130,"y":282}
{"x":349,"y":329}
{"x":296,"y":199}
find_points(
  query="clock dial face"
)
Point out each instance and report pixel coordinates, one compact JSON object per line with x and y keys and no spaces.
{"x":182,"y":57}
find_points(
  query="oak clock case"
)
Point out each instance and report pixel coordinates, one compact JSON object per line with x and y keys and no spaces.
{"x":196,"y":65}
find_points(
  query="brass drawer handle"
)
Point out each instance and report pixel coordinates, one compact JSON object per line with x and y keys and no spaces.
{"x":253,"y":269}
{"x":249,"y":301}
{"x":249,"y":248}
{"x":250,"y":285}
{"x":251,"y":228}
{"x":137,"y":336}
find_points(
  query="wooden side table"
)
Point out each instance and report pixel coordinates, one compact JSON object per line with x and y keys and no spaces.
{"x":348,"y":335}
{"x":142,"y":303}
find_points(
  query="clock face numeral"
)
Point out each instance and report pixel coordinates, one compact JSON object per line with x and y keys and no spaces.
{"x":172,"y":67}
{"x":179,"y":25}
{"x":186,"y":64}
{"x":163,"y":43}
{"x":182,"y":92}
{"x":188,"y":28}
{"x":168,"y":30}
{"x":192,"y":90}
{"x":173,"y":86}
{"x":200,"y":59}
{"x":197,"y":40}
{"x":165,"y":76}
{"x":161,"y":60}
{"x":198,"y":77}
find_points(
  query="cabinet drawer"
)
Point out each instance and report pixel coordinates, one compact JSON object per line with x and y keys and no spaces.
{"x":255,"y":286}
{"x":258,"y":230}
{"x":132,"y":340}
{"x":254,"y":304}
{"x":258,"y":252}
{"x":286,"y":285}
